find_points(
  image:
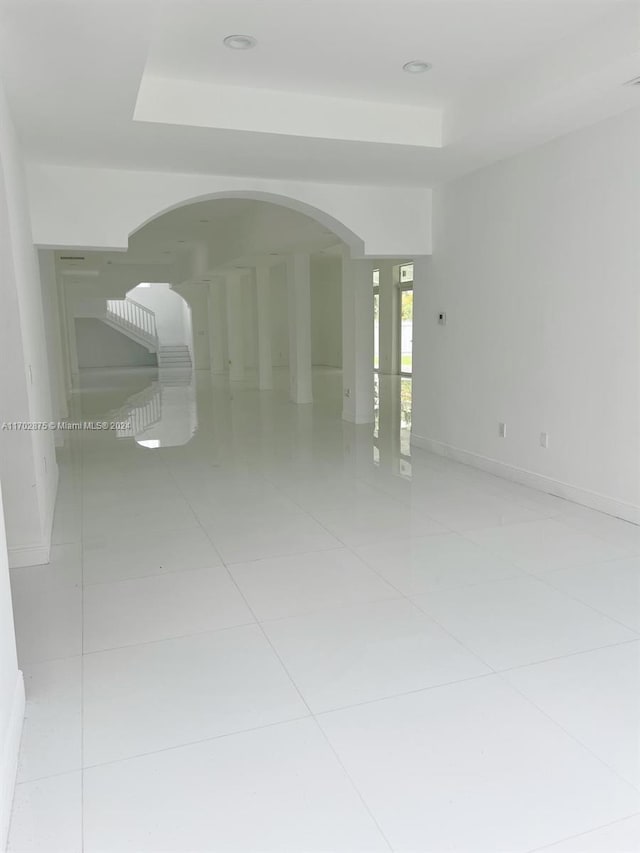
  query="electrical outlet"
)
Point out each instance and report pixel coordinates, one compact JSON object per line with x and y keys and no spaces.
{"x":502,"y":430}
{"x":544,"y":440}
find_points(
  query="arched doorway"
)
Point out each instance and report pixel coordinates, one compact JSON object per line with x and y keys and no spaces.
{"x":238,"y":244}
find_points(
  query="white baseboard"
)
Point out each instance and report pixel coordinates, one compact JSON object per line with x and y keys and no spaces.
{"x":29,"y":555}
{"x":585,"y":497}
{"x":9,"y":751}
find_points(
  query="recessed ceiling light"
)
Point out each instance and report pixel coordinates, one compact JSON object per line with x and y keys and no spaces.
{"x":416,"y":66}
{"x":239,"y":42}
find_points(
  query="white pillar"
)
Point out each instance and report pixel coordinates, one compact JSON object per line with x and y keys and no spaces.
{"x":389,"y":422}
{"x":389,"y":309}
{"x":51,"y":316}
{"x":216,"y":311}
{"x":235,"y":324}
{"x":299,"y":304}
{"x":265,"y":365}
{"x":199,"y":261}
{"x":72,"y":346}
{"x":357,"y":340}
{"x":64,"y":337}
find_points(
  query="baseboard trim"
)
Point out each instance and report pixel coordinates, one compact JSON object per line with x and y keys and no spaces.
{"x":9,"y":758}
{"x":577,"y":494}
{"x":29,"y":555}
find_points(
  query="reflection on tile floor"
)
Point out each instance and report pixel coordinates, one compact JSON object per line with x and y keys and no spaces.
{"x":287,"y":634}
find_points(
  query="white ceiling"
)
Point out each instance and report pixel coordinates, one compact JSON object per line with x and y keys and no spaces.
{"x":356,"y":48}
{"x":506,"y":74}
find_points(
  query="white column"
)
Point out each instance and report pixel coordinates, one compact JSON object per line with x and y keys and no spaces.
{"x":49,"y":286}
{"x":265,"y":364}
{"x":216,"y":312}
{"x":299,"y":305}
{"x":389,"y":315}
{"x":235,"y":324}
{"x":64,"y":337}
{"x":357,"y":340}
{"x":250,"y":317}
{"x":389,"y":421}
{"x":72,"y":346}
{"x":199,"y":261}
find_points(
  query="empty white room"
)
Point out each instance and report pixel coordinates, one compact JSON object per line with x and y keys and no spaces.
{"x":320,"y":426}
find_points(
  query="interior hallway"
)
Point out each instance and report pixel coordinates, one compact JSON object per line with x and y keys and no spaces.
{"x":283,"y":636}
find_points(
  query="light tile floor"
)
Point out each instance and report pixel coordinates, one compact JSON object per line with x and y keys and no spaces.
{"x":263,"y":641}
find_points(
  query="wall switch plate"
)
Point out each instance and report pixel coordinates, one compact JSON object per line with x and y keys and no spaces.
{"x":347,"y":392}
{"x":442,"y":318}
{"x":502,"y":430}
{"x":544,"y":440}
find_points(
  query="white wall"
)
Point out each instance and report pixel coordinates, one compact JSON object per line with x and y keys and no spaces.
{"x":537,"y":264}
{"x":11,"y":692}
{"x":377,"y":221}
{"x":28,"y":469}
{"x":326,"y":311}
{"x":98,"y":345}
{"x":168,"y":306}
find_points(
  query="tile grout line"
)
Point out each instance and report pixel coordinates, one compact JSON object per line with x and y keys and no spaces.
{"x":573,"y":737}
{"x":583,"y":834}
{"x":304,"y":701}
{"x":573,"y":597}
{"x":173,"y":747}
{"x":519,"y":666}
{"x":427,"y":615}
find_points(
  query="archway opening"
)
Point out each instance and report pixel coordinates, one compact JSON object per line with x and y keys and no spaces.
{"x":165,"y":414}
{"x":330,"y":223}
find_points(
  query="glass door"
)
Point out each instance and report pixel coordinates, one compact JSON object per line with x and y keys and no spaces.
{"x":406,"y":319}
{"x":376,"y":320}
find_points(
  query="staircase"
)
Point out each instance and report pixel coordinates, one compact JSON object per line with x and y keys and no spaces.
{"x":138,"y":323}
{"x":133,"y":320}
{"x":174,"y":356}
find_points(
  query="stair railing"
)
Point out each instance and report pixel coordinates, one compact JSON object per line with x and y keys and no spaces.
{"x":131,"y":316}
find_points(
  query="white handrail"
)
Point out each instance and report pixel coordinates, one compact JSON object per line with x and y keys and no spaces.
{"x":133,"y":316}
